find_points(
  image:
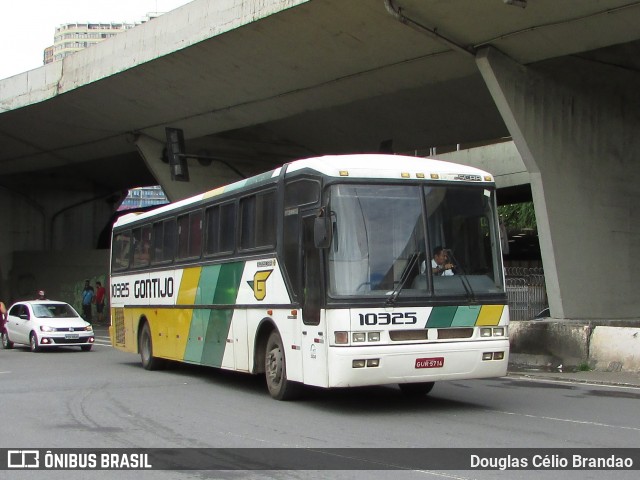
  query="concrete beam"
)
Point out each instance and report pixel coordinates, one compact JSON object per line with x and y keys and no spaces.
{"x":500,"y":159}
{"x":575,"y":125}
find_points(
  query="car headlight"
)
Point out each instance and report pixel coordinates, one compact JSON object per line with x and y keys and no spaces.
{"x":89,"y":328}
{"x":45,"y":328}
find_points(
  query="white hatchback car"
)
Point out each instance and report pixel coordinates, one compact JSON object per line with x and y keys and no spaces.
{"x":46,"y":323}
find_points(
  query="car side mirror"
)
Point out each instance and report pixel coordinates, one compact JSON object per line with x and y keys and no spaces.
{"x":24,"y":316}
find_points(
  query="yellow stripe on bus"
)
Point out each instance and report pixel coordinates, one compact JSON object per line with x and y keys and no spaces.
{"x":490,"y":315}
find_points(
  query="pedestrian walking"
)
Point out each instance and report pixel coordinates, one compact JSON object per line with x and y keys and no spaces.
{"x":100,"y":295}
{"x":88,"y":298}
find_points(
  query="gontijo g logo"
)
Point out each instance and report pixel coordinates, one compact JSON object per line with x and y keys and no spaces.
{"x":259,"y":284}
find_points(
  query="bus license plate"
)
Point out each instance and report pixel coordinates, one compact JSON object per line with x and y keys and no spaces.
{"x":435,"y":362}
{"x":71,"y":336}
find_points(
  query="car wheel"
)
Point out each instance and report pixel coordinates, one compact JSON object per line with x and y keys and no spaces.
{"x":145,"y":347}
{"x":416,"y":389}
{"x":86,"y":348}
{"x":33,"y":343}
{"x":279,"y":386}
{"x":6,"y":343}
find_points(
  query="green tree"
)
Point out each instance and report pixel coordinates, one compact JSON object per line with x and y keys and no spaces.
{"x":518,"y":216}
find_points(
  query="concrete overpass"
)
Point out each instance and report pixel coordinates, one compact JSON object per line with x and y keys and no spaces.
{"x":259,"y":82}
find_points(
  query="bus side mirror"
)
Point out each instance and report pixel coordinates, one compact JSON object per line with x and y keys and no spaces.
{"x":322,"y":231}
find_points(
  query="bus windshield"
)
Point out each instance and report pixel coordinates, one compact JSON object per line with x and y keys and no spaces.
{"x":413,"y":240}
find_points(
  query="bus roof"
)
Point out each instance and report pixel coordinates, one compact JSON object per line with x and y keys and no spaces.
{"x":366,"y":165}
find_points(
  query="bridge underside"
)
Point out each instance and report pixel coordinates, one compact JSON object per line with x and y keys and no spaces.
{"x":258,"y":83}
{"x":266,"y":84}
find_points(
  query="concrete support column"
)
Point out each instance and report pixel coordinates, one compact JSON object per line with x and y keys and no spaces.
{"x":576,"y":124}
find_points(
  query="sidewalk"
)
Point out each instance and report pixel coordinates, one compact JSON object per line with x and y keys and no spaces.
{"x":621,"y":379}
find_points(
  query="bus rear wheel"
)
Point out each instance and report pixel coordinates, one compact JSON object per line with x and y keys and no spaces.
{"x":276,"y":370}
{"x":416,"y":389}
{"x":145,"y":347}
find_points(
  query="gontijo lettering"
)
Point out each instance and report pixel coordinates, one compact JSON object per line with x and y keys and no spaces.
{"x":153,"y":288}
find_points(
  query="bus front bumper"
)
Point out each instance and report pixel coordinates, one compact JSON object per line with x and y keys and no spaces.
{"x":414,"y":363}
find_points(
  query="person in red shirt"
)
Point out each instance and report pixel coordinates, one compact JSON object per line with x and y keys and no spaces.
{"x":100,"y":294}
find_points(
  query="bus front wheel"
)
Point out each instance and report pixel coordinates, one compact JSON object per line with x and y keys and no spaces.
{"x":276,"y":370}
{"x":145,"y":346}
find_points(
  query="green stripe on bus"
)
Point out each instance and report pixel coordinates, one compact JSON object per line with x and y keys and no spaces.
{"x":466,"y":316}
{"x":441,"y":317}
{"x":200,"y":318}
{"x":219,"y":284}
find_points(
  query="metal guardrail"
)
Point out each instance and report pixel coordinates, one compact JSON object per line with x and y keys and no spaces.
{"x":526,"y":292}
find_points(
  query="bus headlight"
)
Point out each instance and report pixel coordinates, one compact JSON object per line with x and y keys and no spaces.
{"x":498,"y":332}
{"x":359,"y":337}
{"x":374,"y":336}
{"x":485,"y":332}
{"x":358,"y":363}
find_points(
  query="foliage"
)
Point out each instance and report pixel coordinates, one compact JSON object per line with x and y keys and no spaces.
{"x":518,"y":216}
{"x":584,"y":367}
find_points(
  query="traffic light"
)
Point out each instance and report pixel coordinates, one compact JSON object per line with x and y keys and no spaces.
{"x":175,"y":153}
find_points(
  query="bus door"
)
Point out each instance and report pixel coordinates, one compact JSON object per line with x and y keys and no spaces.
{"x":314,"y":333}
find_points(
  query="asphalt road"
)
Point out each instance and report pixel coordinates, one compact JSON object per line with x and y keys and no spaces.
{"x":104,"y":399}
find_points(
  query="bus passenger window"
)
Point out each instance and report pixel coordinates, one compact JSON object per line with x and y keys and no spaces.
{"x":120,"y":251}
{"x":258,"y":221}
{"x":190,"y":235}
{"x":142,"y":246}
{"x":220,"y":221}
{"x":163,"y":241}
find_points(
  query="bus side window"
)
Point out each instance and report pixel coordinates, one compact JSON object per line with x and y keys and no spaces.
{"x":163,"y":241}
{"x":120,"y":251}
{"x":258,"y":221}
{"x":190,"y":235}
{"x":142,"y":246}
{"x":220,"y":224}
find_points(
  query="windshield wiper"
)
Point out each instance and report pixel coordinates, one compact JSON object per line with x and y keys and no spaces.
{"x":406,"y":273}
{"x":471,"y":296}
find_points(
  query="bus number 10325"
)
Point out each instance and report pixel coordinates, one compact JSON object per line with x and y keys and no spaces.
{"x":385,"y":318}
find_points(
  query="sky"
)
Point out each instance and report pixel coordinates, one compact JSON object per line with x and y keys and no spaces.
{"x":28,"y":26}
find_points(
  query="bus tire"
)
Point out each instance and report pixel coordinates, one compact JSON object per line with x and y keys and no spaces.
{"x":276,"y":370}
{"x":145,"y":347}
{"x":416,"y":389}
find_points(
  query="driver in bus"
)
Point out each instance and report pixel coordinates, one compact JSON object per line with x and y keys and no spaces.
{"x":440,"y":264}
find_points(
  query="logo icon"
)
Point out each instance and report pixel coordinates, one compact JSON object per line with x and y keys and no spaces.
{"x":23,"y":459}
{"x":259,"y":284}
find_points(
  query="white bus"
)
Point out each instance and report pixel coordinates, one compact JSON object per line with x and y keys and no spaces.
{"x":321,"y":272}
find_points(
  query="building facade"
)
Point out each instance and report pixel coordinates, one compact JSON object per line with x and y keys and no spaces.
{"x":144,"y":197}
{"x":72,"y":37}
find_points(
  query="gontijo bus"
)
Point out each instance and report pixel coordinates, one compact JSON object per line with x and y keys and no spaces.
{"x":320,"y":272}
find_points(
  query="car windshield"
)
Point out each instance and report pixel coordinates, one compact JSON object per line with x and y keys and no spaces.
{"x":385,"y":238}
{"x":53,"y":310}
